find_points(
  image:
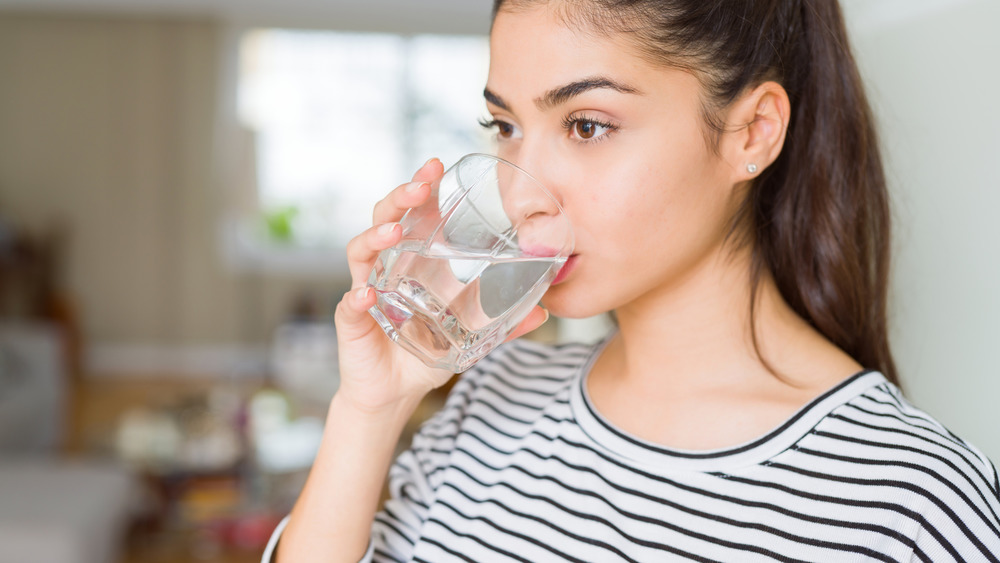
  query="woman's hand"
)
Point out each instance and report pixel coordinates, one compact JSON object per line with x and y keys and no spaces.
{"x":380,"y":385}
{"x":375,"y":373}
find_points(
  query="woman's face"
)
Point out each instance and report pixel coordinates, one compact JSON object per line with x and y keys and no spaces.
{"x":621,"y":144}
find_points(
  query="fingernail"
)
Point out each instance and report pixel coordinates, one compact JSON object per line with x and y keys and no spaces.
{"x":546,"y":311}
{"x":414,"y":186}
{"x":429,"y":160}
{"x":362,"y":293}
{"x":387,"y":228}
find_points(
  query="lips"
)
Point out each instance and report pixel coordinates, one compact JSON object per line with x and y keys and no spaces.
{"x":566,"y":269}
{"x":538,"y":251}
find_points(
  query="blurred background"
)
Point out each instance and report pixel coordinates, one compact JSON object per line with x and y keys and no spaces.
{"x":177,"y":181}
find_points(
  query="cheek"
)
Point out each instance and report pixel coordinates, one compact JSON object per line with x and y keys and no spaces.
{"x":658,"y":210}
{"x":642,"y":192}
{"x":637,"y":196}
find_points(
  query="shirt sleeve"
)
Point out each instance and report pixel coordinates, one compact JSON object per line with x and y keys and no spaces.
{"x":961,"y":522}
{"x":415,"y":477}
{"x":272,"y":545}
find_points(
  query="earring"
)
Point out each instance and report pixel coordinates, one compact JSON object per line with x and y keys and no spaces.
{"x":752,"y":168}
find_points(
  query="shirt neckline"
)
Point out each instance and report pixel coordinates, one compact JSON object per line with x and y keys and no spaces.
{"x":624,"y":445}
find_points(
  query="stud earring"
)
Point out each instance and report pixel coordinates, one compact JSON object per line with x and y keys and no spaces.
{"x":752,"y":168}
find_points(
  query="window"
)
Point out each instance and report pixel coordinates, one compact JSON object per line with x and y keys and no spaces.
{"x":339,"y":119}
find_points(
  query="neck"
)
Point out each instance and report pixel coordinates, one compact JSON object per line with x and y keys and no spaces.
{"x":683,"y":370}
{"x":696,"y":332}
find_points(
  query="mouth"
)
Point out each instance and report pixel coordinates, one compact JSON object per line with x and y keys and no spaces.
{"x":566,"y":269}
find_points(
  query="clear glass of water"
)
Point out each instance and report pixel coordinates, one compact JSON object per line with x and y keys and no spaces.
{"x":472,"y":263}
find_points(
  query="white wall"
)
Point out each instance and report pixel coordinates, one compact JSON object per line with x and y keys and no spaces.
{"x":933,"y":72}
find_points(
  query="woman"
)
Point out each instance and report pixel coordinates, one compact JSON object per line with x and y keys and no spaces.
{"x":720,"y":167}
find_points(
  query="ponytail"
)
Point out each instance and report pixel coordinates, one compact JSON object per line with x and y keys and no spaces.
{"x":820,"y":213}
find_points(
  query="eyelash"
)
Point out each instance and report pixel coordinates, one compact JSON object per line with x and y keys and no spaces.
{"x":494,"y":124}
{"x":571,"y":120}
{"x":488,"y":123}
{"x":567,"y":123}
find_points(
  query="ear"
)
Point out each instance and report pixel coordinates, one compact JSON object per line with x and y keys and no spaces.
{"x":757,"y":123}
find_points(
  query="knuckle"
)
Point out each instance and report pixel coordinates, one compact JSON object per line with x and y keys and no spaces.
{"x":352,"y":247}
{"x":359,"y":245}
{"x":359,"y":277}
{"x":338,"y":315}
{"x":380,"y":207}
{"x":342,"y":307}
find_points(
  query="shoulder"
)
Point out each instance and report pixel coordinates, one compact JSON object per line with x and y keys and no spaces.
{"x":518,"y":383}
{"x":885,"y":421}
{"x":520,"y":371}
{"x":503,"y":396}
{"x":897,"y":452}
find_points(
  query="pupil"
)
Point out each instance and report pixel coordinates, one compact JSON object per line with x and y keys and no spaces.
{"x":585,"y":129}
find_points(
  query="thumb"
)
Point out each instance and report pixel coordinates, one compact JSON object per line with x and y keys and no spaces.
{"x":352,"y":318}
{"x":535,"y":319}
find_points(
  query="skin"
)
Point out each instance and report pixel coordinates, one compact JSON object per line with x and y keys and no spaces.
{"x":620,"y":143}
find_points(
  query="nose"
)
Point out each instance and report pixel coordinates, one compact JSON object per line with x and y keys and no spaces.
{"x":535,"y":213}
{"x":539,"y":157}
{"x":523,"y":196}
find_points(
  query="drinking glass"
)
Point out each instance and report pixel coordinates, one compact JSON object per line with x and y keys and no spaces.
{"x":472,"y":263}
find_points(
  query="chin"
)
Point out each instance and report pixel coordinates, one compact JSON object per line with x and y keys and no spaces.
{"x":569,"y":302}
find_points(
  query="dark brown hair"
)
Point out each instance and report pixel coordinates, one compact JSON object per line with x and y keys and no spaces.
{"x":818,"y":218}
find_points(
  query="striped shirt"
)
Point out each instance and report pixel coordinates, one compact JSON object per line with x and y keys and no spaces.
{"x":519,"y":466}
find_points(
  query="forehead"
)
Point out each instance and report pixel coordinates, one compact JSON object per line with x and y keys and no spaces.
{"x":540,"y":39}
{"x":536,"y":49}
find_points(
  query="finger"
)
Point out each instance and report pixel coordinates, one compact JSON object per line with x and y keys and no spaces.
{"x":535,"y":319}
{"x":430,"y":171}
{"x":351,"y":317}
{"x":392,"y":207}
{"x":363,"y":249}
{"x":412,"y":194}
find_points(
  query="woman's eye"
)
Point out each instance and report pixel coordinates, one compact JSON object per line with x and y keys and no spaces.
{"x":504,"y":130}
{"x":586,"y":130}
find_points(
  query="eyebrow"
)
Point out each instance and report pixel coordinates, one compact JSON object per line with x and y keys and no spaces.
{"x":563,"y":93}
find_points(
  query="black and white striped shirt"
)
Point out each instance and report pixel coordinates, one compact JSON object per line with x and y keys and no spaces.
{"x":518,"y":466}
